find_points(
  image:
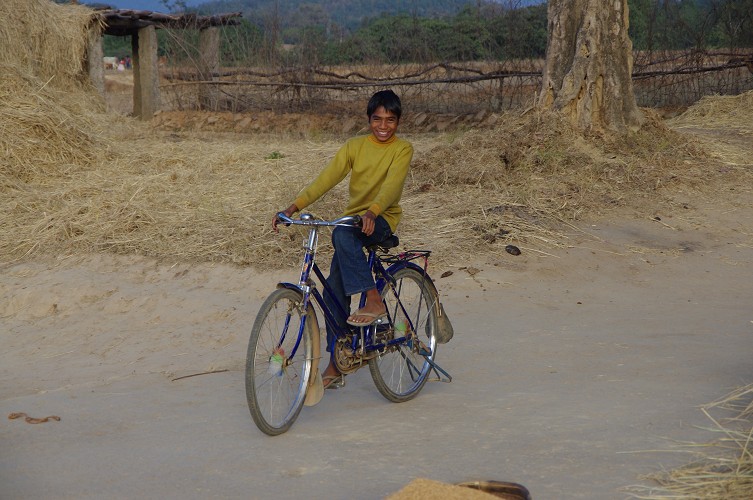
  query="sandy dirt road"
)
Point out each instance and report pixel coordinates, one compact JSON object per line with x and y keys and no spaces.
{"x":573,"y":373}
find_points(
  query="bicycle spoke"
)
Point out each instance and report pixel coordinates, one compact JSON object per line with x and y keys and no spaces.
{"x":278,"y":362}
{"x":412,"y":368}
{"x":400,"y":373}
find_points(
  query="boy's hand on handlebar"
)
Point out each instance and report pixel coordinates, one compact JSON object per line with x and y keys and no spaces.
{"x":367,"y":223}
{"x":288,"y":212}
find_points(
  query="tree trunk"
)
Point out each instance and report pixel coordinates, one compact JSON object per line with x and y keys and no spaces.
{"x":589,"y":62}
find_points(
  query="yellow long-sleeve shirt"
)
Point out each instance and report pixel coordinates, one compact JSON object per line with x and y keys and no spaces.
{"x":377,"y":175}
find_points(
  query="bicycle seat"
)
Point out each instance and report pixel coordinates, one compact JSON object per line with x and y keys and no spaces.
{"x":390,"y":242}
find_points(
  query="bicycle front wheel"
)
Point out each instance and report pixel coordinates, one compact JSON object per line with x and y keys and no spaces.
{"x":278,"y":364}
{"x":401,"y":371}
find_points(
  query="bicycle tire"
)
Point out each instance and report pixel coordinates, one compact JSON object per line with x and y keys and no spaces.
{"x":275,"y":391}
{"x":401,"y":372}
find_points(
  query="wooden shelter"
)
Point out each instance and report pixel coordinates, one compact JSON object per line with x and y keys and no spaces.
{"x":142,"y":27}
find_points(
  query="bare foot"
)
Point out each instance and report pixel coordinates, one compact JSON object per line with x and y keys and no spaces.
{"x":331,"y":370}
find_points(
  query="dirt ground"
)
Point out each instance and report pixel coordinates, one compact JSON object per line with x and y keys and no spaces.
{"x":573,"y":374}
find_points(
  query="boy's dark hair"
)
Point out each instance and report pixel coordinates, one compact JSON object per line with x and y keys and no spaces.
{"x":386,"y":98}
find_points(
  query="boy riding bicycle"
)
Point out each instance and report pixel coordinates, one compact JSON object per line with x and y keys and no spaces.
{"x":378,"y":164}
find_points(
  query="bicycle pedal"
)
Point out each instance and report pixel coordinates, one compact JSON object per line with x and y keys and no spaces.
{"x":335,"y":382}
{"x":423,"y":349}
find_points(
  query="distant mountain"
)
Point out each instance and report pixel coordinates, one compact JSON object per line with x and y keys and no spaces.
{"x":152,"y":5}
{"x":348,"y":13}
{"x":352,"y":9}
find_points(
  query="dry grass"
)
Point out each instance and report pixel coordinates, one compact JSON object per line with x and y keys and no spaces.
{"x":76,"y":179}
{"x":126,"y":189}
{"x":724,"y":125}
{"x":720,"y":112}
{"x":529,"y":179}
{"x":722,"y":468}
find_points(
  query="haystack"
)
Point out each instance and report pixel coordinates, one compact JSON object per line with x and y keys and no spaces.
{"x":46,"y":40}
{"x":47,"y":120}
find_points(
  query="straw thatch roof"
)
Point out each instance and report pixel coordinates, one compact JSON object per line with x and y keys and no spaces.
{"x":120,"y":22}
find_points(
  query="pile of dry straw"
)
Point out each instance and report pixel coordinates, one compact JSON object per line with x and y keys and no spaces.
{"x":726,"y":125}
{"x":724,"y":467}
{"x":78,"y":180}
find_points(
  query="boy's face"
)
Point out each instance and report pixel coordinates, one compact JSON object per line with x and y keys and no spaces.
{"x":383,"y":124}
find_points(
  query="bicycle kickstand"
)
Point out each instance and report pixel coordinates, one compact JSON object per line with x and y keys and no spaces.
{"x":437,"y":369}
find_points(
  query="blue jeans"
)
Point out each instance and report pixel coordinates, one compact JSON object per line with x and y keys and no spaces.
{"x":349,"y":273}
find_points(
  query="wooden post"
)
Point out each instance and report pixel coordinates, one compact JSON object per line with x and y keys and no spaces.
{"x":146,"y":98}
{"x":209,"y":60}
{"x":96,"y":66}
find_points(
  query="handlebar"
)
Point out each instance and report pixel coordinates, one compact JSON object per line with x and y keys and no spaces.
{"x":309,"y":220}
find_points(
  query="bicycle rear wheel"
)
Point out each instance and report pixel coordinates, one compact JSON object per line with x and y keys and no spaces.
{"x":402,"y":370}
{"x":276,"y":379}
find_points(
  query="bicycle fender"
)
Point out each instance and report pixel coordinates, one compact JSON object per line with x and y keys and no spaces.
{"x":402,"y":264}
{"x":409,"y":265}
{"x":289,"y":286}
{"x":310,"y":313}
{"x":395,"y":268}
{"x":314,"y":387}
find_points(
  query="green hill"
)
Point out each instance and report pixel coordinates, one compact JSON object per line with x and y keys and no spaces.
{"x":347,"y":14}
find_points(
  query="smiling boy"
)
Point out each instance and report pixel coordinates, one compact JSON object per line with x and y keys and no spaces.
{"x":378,"y":165}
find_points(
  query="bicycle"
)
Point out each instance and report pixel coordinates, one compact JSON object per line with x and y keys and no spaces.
{"x":284,"y":347}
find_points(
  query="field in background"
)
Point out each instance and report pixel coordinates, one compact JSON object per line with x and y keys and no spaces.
{"x":437,"y":97}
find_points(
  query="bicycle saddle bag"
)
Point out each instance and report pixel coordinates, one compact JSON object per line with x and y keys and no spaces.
{"x":444,"y":331}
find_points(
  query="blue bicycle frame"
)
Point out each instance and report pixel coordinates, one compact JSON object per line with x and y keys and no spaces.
{"x":307,"y":288}
{"x":282,"y":366}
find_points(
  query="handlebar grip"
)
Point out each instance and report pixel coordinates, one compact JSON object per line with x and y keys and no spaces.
{"x":283,"y":218}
